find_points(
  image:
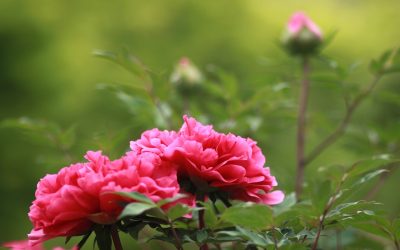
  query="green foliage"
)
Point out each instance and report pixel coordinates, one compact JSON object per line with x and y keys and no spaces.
{"x":253,"y":216}
{"x":337,"y":193}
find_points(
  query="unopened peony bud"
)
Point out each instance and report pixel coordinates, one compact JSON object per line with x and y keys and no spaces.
{"x":186,"y":73}
{"x":302,"y":35}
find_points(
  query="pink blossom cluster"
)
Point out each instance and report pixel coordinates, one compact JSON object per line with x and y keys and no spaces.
{"x":81,"y":195}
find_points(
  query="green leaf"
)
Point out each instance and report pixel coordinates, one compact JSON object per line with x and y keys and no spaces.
{"x":135,"y":230}
{"x":249,"y":215}
{"x":389,"y":62}
{"x":177,"y":211}
{"x":125,"y":60}
{"x":372,"y":228}
{"x":137,"y":197}
{"x":286,"y":205}
{"x":157,"y":213}
{"x":226,"y":236}
{"x":295,"y":246}
{"x":253,"y":237}
{"x":201,"y":235}
{"x":396,"y":228}
{"x":229,"y":83}
{"x":351,"y":207}
{"x":161,"y":203}
{"x":68,"y":137}
{"x":135,"y":209}
{"x":368,"y":177}
{"x":321,"y":192}
{"x":364,"y":166}
{"x":210,"y":217}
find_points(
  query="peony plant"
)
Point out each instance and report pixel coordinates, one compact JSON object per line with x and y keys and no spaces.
{"x":198,"y":187}
{"x":165,"y":167}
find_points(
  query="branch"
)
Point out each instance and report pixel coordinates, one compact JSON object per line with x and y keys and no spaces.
{"x":199,"y":199}
{"x":115,"y":238}
{"x":339,"y":131}
{"x":301,"y":127}
{"x":327,"y":208}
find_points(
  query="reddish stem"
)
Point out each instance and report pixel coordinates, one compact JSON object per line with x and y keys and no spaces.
{"x":115,"y":238}
{"x":200,"y":198}
{"x":301,"y":127}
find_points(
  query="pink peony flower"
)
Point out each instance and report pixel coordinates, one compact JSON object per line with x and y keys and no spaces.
{"x":24,"y":245}
{"x":223,"y":162}
{"x":154,"y":141}
{"x":70,"y":202}
{"x":300,"y":21}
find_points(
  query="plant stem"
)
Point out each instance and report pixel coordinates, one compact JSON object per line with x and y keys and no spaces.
{"x":396,"y":244}
{"x":84,"y":239}
{"x":338,"y":240}
{"x":339,"y":131}
{"x":327,"y":208}
{"x":178,"y":243}
{"x":200,"y":198}
{"x":301,"y":127}
{"x":115,"y":238}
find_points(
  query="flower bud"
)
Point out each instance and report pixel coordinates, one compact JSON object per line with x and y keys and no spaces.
{"x":186,"y":73}
{"x":302,"y":35}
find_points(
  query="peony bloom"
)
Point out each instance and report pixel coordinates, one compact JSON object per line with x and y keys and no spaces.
{"x":209,"y":161}
{"x":154,"y":141}
{"x":302,"y":35}
{"x":24,"y":245}
{"x":70,"y":202}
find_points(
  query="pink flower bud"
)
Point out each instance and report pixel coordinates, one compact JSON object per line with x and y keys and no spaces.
{"x":186,"y":73}
{"x":300,"y":21}
{"x":302,"y":35}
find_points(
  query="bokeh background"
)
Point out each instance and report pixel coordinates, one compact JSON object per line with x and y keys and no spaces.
{"x":48,"y":76}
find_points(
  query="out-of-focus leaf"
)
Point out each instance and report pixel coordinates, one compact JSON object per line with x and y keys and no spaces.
{"x":350,"y":207}
{"x":215,"y":88}
{"x":396,"y":228}
{"x":157,"y":213}
{"x":249,"y":215}
{"x":388,"y":62}
{"x":229,"y":84}
{"x":201,"y":235}
{"x":134,"y":104}
{"x":137,"y":197}
{"x":223,"y":236}
{"x":295,"y":246}
{"x":321,"y":192}
{"x":135,"y":208}
{"x":126,"y":60}
{"x":177,"y":211}
{"x":210,"y":217}
{"x":253,"y":237}
{"x":68,"y":137}
{"x":371,"y":164}
{"x":286,"y":205}
{"x":172,"y":199}
{"x":135,"y":230}
{"x":368,"y":177}
{"x":372,"y":228}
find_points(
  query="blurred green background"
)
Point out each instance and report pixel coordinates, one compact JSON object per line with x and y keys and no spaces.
{"x":49,"y":75}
